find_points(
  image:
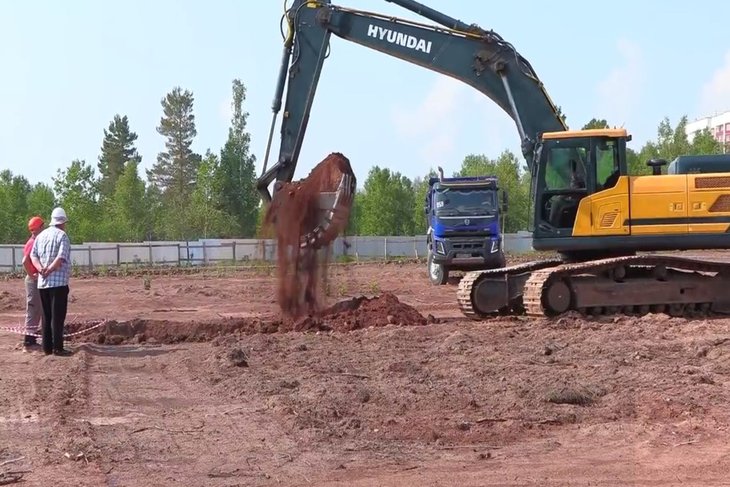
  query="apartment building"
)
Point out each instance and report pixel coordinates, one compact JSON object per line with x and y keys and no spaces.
{"x":719,"y":125}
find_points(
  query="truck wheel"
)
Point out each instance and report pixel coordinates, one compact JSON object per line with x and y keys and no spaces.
{"x":501,"y":260}
{"x":437,"y":273}
{"x":498,"y":261}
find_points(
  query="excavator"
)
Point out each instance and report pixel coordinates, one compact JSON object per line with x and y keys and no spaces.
{"x":610,"y":231}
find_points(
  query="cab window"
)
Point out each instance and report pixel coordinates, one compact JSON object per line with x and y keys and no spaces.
{"x":607,"y":167}
{"x":565,"y":168}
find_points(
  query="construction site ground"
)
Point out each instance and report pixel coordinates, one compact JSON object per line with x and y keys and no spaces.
{"x":196,"y":380}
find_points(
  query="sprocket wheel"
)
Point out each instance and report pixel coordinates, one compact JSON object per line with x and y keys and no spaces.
{"x":557,"y":297}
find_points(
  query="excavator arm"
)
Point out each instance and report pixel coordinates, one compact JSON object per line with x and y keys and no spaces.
{"x":479,"y":58}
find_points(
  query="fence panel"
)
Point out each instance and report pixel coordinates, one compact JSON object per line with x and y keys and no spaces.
{"x":8,"y":257}
{"x":211,"y":251}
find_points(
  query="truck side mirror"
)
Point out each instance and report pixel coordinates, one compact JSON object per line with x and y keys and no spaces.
{"x":656,"y":165}
{"x":505,"y":203}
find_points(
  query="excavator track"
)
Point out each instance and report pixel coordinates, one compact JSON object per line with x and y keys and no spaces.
{"x":486,"y":293}
{"x":629,"y":285}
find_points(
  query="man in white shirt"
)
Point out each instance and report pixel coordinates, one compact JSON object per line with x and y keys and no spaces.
{"x":51,"y":254}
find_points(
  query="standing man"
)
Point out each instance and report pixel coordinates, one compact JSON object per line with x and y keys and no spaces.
{"x":52,"y":255}
{"x":33,"y":306}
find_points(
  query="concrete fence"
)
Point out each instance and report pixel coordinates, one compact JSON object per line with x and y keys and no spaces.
{"x":211,"y":251}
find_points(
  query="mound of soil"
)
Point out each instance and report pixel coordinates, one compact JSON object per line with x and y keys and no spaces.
{"x":11,"y":302}
{"x":361,"y":312}
{"x":164,"y":331}
{"x":352,"y":314}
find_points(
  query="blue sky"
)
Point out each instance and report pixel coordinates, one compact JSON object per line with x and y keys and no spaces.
{"x":68,"y":67}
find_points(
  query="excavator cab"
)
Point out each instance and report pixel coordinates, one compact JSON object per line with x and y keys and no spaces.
{"x":569,"y":166}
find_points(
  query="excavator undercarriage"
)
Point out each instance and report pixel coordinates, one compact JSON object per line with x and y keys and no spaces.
{"x":636,"y":284}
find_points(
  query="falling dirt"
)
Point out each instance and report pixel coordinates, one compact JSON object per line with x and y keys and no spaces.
{"x":293,"y":213}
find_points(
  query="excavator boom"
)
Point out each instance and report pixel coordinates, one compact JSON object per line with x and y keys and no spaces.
{"x":479,"y":58}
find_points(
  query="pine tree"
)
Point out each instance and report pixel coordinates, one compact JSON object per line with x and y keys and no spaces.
{"x":116,"y":150}
{"x":176,"y":168}
{"x":175,"y":172}
{"x":238,"y":169}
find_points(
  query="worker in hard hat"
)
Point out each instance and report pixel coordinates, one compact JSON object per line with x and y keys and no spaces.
{"x":33,"y":306}
{"x":51,"y":255}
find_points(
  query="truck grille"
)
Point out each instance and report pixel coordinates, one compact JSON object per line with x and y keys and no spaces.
{"x":466,"y":233}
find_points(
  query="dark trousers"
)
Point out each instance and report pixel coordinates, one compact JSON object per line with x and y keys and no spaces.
{"x":55,"y":303}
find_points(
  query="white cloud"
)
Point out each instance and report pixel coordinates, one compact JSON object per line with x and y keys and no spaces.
{"x":441,"y":101}
{"x":716,"y":92}
{"x":619,"y":92}
{"x":434,"y":123}
{"x":454,"y":119}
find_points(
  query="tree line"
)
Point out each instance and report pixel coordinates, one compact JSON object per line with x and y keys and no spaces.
{"x":186,"y":195}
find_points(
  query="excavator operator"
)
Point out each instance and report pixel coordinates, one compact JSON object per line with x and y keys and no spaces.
{"x":563,"y":208}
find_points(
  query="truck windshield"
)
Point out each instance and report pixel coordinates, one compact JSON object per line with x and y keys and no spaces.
{"x":465,"y":202}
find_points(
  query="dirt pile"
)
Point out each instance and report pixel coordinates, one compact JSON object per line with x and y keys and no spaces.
{"x":294,"y":213}
{"x":138,"y":330}
{"x":360,"y":312}
{"x":351,"y":314}
{"x":11,"y":301}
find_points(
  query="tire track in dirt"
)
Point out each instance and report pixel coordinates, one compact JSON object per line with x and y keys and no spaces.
{"x":127,"y":399}
{"x":41,"y":425}
{"x":62,"y":399}
{"x":454,"y":403}
{"x":176,"y":430}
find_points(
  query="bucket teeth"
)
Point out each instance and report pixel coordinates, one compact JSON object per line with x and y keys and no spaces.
{"x":334,"y":213}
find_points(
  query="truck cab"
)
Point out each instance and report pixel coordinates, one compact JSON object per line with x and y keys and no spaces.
{"x":464,"y":216}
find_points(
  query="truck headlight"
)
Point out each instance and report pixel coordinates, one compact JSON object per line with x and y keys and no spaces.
{"x":440,"y":247}
{"x":495,"y":246}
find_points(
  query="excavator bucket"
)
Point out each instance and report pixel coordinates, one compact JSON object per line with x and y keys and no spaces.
{"x":332,"y":214}
{"x":307,"y":216}
{"x":311,"y":213}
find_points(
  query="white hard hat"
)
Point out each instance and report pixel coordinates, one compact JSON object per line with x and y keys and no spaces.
{"x":58,"y":216}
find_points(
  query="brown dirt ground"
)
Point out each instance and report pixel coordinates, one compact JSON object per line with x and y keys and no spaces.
{"x":198,"y":381}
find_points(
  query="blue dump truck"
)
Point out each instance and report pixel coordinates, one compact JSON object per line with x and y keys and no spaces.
{"x":465,"y":217}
